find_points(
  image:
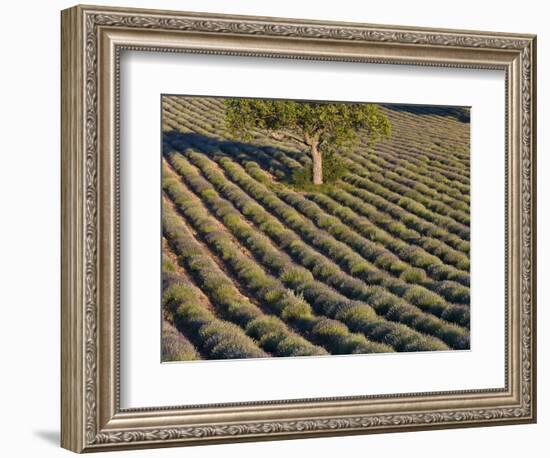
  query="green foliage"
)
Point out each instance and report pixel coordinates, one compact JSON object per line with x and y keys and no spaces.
{"x":334,"y":168}
{"x":336,"y":122}
{"x":324,"y":126}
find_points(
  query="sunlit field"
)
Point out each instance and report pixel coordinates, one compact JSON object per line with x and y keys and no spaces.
{"x":258,"y":262}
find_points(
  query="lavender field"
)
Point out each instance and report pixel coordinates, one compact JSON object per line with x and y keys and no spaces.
{"x":255,"y":266}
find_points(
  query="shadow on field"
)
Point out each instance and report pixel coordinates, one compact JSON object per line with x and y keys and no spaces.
{"x":267,"y":157}
{"x":462,"y":114}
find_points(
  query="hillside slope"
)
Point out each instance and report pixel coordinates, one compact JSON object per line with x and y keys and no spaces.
{"x":377,"y":263}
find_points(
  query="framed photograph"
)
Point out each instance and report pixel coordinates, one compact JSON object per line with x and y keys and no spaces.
{"x":279,"y":228}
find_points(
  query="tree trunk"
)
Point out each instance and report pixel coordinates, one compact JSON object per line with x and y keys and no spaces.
{"x":317,"y":166}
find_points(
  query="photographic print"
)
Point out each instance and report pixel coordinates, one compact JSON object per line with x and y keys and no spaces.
{"x":311,"y":228}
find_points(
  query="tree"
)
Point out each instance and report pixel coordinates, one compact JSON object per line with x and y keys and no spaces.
{"x":321,"y":127}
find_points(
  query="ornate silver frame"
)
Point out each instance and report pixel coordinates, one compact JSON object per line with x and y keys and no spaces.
{"x":92,"y":38}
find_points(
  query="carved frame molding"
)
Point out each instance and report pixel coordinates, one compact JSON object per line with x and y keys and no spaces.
{"x":92,"y":39}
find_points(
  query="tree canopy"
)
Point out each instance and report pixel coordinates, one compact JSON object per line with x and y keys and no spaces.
{"x":321,"y":127}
